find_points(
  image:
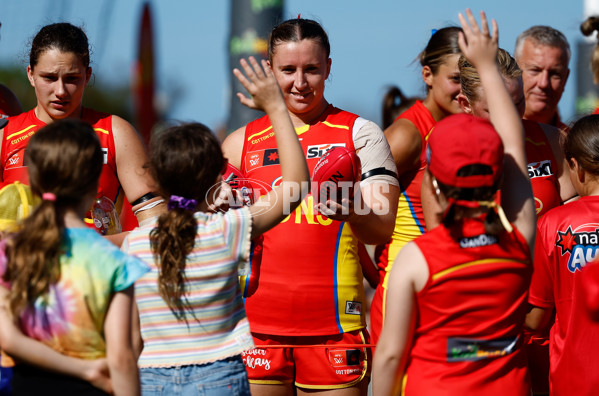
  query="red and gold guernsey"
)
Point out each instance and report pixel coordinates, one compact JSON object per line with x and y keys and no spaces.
{"x":16,"y":137}
{"x":305,"y":277}
{"x":470,"y":313}
{"x":409,"y":223}
{"x":542,"y":168}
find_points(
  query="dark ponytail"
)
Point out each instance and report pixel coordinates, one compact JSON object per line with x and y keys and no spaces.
{"x":185,"y":161}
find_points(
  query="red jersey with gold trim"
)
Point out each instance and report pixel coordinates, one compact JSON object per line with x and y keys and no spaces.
{"x":470,"y":313}
{"x":567,"y":241}
{"x":305,"y":274}
{"x":16,"y":137}
{"x":542,"y":168}
{"x":409,"y":223}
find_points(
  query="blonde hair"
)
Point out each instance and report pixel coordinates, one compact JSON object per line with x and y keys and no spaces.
{"x":470,"y":80}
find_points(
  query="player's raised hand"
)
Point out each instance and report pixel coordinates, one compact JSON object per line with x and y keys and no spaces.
{"x":260,"y":84}
{"x":477,"y":44}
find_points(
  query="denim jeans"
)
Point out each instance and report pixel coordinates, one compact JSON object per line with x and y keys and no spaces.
{"x":223,"y":377}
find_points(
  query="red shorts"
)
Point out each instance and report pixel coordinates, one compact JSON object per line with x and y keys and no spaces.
{"x":316,"y":367}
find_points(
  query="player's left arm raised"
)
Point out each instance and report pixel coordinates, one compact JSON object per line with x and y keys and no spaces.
{"x":136,"y":180}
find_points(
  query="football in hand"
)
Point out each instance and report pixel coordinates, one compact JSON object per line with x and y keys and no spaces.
{"x":335,"y":174}
{"x":241,"y":188}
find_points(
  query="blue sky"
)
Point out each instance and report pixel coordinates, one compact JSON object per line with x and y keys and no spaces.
{"x":373,"y":43}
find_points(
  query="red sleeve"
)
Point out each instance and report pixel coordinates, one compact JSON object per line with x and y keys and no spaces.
{"x":541,"y":285}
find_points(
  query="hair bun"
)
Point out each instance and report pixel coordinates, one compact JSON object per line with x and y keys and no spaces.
{"x":590,"y":25}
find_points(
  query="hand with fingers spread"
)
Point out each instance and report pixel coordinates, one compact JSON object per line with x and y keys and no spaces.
{"x":260,"y":84}
{"x":477,"y":44}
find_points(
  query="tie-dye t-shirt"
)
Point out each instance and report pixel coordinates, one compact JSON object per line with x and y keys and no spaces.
{"x":70,"y":318}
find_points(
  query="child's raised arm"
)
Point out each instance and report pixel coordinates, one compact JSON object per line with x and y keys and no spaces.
{"x":479,"y":46}
{"x":266,"y":95}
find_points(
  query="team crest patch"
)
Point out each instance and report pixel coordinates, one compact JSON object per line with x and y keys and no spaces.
{"x":353,"y":308}
{"x":580,"y":244}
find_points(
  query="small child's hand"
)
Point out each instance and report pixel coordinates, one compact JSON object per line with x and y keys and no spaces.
{"x":478,"y":46}
{"x":260,"y":84}
{"x":98,"y":374}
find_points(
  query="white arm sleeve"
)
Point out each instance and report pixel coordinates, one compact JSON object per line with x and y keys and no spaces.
{"x":374,"y":152}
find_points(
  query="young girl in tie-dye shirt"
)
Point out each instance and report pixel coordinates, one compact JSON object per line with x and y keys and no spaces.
{"x":65,"y":285}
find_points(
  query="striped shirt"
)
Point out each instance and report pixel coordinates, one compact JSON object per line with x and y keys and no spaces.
{"x":216,"y":326}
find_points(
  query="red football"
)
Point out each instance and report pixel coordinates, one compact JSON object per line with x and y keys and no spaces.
{"x":335,"y":174}
{"x":243,"y":193}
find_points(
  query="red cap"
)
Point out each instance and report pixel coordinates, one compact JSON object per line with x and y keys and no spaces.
{"x":460,"y":140}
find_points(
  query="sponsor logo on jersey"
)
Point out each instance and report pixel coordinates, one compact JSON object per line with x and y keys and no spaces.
{"x":581,"y":244}
{"x":465,"y":349}
{"x":318,"y":150}
{"x":344,"y":357}
{"x":539,"y":169}
{"x":478,"y":241}
{"x":263,"y":137}
{"x":257,"y":159}
{"x":353,"y":307}
{"x":21,"y":138}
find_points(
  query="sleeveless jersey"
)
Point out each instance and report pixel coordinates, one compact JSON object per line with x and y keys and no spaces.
{"x":16,"y":137}
{"x":568,"y":240}
{"x":470,"y":313}
{"x":409,"y":223}
{"x":305,"y":276}
{"x":542,"y":168}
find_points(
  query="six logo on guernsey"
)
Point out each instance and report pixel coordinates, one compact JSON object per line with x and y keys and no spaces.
{"x":318,"y":150}
{"x":580,"y":244}
{"x":539,"y":169}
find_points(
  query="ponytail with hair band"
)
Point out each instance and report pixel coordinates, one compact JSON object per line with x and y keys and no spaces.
{"x":477,"y":204}
{"x":48,"y":196}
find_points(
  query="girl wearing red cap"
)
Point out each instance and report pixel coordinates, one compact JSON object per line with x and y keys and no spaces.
{"x":457,"y":295}
{"x":547,"y":169}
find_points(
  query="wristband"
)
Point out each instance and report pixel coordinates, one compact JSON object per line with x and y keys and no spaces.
{"x":143,"y":198}
{"x":148,"y":206}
